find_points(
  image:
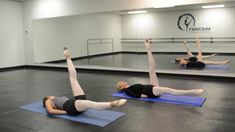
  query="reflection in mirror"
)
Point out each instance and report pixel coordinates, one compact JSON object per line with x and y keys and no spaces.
{"x":116,"y":39}
{"x":84,"y":35}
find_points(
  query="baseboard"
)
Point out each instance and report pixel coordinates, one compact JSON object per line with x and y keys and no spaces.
{"x":12,"y":68}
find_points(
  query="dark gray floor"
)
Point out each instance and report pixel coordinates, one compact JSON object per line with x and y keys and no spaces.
{"x":139,"y":61}
{"x":21,"y":87}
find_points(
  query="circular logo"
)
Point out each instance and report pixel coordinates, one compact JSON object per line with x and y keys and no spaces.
{"x":185,"y":21}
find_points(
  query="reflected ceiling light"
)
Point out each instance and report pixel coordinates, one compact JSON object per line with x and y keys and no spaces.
{"x":136,"y":12}
{"x":212,"y":6}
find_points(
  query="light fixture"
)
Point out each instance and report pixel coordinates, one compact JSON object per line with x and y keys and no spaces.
{"x":137,"y":12}
{"x":212,"y":6}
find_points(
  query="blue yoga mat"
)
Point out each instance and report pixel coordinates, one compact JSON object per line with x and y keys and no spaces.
{"x":169,"y":98}
{"x":209,"y":67}
{"x":95,"y":117}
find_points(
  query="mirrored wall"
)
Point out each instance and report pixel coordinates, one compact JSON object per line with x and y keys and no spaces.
{"x":115,"y":39}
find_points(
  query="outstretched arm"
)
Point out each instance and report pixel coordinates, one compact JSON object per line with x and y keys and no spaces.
{"x":208,"y":56}
{"x":152,"y":67}
{"x":53,"y":111}
{"x":187,"y":48}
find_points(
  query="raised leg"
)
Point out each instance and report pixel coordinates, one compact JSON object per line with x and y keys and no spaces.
{"x":199,"y":48}
{"x":187,"y":48}
{"x":163,"y":90}
{"x":76,"y":88}
{"x":152,"y":66}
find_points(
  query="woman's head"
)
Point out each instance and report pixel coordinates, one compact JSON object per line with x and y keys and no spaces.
{"x":181,"y":61}
{"x":177,"y":60}
{"x":121,"y":85}
{"x":45,"y":99}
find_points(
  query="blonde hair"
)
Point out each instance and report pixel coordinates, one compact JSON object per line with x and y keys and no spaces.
{"x":118,"y":88}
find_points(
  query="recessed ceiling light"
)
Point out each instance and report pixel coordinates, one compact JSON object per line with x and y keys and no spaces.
{"x":213,"y":6}
{"x":137,"y":12}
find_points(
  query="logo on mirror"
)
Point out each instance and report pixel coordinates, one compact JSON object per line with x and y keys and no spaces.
{"x":187,"y":23}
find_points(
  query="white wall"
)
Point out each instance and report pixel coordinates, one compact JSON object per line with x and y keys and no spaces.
{"x":51,"y":35}
{"x":164,"y":25}
{"x":11,"y":34}
{"x":35,"y":9}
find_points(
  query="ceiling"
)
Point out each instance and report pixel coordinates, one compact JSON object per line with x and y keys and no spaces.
{"x":227,"y":3}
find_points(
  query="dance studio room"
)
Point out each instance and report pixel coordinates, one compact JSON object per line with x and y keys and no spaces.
{"x":117,"y":65}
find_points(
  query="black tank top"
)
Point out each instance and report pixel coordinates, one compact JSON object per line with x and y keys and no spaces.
{"x":137,"y":89}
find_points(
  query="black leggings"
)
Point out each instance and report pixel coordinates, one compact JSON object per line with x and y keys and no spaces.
{"x":69,"y":106}
{"x":148,"y":90}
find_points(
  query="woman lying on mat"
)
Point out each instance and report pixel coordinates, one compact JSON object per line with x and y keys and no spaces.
{"x":153,"y":90}
{"x":197,"y":61}
{"x":190,"y":54}
{"x":78,"y":104}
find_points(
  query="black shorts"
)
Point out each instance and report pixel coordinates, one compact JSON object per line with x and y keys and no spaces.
{"x":148,"y":90}
{"x":69,"y":106}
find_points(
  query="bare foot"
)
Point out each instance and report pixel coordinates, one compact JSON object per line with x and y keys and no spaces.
{"x":118,"y":103}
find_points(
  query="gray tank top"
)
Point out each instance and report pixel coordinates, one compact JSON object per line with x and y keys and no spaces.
{"x":59,"y":102}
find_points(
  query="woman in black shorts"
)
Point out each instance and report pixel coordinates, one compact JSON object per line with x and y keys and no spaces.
{"x":197,"y":61}
{"x":78,"y":104}
{"x":153,"y":90}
